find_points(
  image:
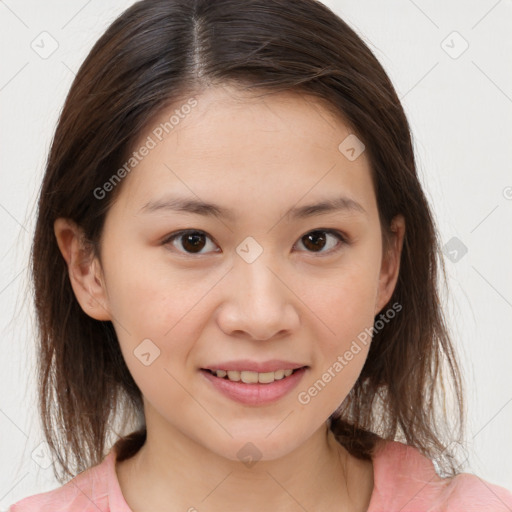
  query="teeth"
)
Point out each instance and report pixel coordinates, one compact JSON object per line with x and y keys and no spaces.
{"x":233,"y":375}
{"x":278,"y":375}
{"x":253,"y":377}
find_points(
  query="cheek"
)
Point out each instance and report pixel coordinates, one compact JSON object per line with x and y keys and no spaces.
{"x":344,"y":303}
{"x":145,"y":296}
{"x":346,"y":313}
{"x":157,"y":315}
{"x":344,"y":307}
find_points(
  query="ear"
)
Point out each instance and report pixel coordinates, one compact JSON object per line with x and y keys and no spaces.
{"x":84,"y":269}
{"x":390,"y":266}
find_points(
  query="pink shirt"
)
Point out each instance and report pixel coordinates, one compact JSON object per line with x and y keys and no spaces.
{"x":404,"y":481}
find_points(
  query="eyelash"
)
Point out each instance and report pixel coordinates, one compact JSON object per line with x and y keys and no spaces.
{"x":343,"y":240}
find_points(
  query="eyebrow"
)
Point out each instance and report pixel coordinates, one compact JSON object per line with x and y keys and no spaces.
{"x":198,"y":207}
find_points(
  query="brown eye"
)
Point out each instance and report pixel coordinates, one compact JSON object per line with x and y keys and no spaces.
{"x":191,"y":242}
{"x":316,"y":241}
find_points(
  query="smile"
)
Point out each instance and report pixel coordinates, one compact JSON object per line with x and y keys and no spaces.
{"x":249,"y":377}
{"x":254,"y":392}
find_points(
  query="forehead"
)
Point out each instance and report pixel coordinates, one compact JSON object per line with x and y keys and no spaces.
{"x":244,"y":146}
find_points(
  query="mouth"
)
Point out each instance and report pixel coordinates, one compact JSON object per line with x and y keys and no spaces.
{"x":250,"y":377}
{"x":252,"y":388}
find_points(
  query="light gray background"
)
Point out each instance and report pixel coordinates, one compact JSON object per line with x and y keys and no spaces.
{"x":460,"y":110}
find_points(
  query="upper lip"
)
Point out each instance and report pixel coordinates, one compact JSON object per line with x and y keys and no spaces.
{"x":254,"y":366}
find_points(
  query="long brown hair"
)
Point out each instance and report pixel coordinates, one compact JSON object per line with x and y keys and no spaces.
{"x":154,"y":55}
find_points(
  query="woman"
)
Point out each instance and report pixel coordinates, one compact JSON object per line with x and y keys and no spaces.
{"x":234,"y":258}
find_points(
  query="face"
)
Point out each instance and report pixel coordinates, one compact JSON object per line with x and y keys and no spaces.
{"x":260,"y":283}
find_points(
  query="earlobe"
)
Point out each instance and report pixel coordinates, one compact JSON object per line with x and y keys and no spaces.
{"x":84,"y":269}
{"x":390,"y":267}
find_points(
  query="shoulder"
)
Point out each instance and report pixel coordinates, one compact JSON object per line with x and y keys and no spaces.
{"x":93,"y":490}
{"x":406,"y":480}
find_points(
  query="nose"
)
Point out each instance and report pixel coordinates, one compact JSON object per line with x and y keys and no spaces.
{"x":259,"y":302}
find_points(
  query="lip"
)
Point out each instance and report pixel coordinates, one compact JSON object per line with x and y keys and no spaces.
{"x":255,"y":366}
{"x":255,"y":394}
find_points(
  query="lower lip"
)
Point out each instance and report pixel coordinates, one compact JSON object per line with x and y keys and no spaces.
{"x":255,"y":394}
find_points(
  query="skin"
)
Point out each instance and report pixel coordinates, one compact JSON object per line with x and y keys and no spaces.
{"x":258,"y":156}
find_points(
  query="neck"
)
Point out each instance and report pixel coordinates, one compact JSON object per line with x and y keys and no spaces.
{"x":176,"y":473}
